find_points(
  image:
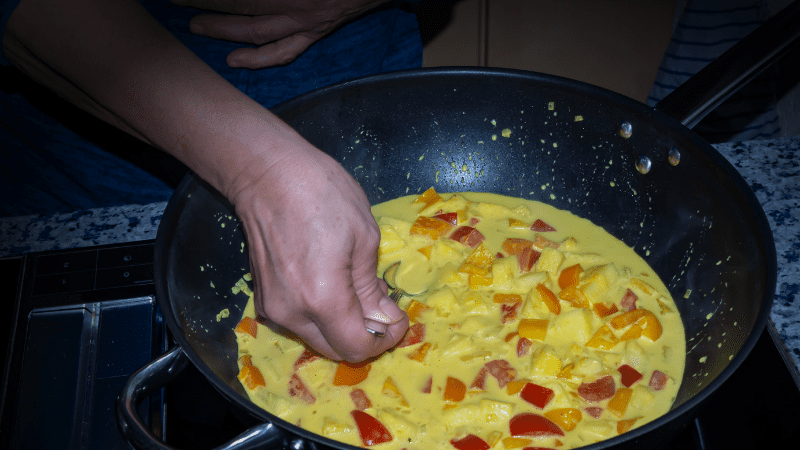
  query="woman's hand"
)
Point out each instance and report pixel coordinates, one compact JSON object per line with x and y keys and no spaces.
{"x":313,"y":242}
{"x":282,"y":29}
{"x":311,"y":237}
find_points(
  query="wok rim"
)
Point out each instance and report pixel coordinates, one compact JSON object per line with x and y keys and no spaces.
{"x":192,"y":182}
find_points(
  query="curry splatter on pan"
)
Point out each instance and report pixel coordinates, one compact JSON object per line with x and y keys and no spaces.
{"x":631,"y":169}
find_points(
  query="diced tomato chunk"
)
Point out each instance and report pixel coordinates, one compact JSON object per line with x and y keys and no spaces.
{"x":426,"y":389}
{"x":629,"y":375}
{"x":502,"y":370}
{"x":541,"y":225}
{"x":474,"y":221}
{"x":509,"y":311}
{"x":468,"y":236}
{"x":414,"y":335}
{"x":526,"y":258}
{"x":530,"y":424}
{"x":298,"y":389}
{"x":598,"y":390}
{"x":628,"y":301}
{"x":371,"y":430}
{"x":360,"y":399}
{"x":523,"y":346}
{"x":470,"y":442}
{"x":306,"y":357}
{"x":480,"y":379}
{"x":658,"y":380}
{"x":594,"y":411}
{"x":536,"y":395}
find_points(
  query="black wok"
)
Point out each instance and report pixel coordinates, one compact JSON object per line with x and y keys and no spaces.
{"x":696,"y":222}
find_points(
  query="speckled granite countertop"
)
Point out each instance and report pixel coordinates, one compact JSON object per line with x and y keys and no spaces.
{"x":771,"y":168}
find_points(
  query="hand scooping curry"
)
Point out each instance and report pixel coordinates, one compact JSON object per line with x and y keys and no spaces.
{"x":530,"y":327}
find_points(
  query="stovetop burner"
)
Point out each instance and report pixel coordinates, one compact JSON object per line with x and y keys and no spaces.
{"x":82,"y":321}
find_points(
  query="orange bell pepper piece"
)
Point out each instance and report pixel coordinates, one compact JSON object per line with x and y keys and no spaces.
{"x":634,"y":332}
{"x":507,"y":298}
{"x":390,"y":390}
{"x":542,"y":242}
{"x":570,"y":276}
{"x":549,"y":299}
{"x":566,"y":418}
{"x":428,"y":226}
{"x":348,"y":374}
{"x":420,"y":353}
{"x":515,"y":442}
{"x":251,"y":377}
{"x":619,"y":402}
{"x":533,"y":328}
{"x":575,"y":297}
{"x":454,"y":390}
{"x":476,"y":281}
{"x":512,"y":246}
{"x":247,"y":325}
{"x":603,"y":338}
{"x":604,"y":311}
{"x":625,"y":425}
{"x":428,"y":197}
{"x":415,"y":309}
{"x":652,"y":326}
{"x":626,"y":318}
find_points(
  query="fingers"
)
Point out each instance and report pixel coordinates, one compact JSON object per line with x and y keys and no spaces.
{"x":250,"y":29}
{"x":275,"y":54}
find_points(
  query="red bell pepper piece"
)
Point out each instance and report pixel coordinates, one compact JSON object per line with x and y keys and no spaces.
{"x":306,"y":357}
{"x":414,"y":335}
{"x":468,"y":236}
{"x":530,"y":424}
{"x":470,"y":442}
{"x":371,"y":430}
{"x":536,"y":395}
{"x":629,"y":375}
{"x":451,"y":218}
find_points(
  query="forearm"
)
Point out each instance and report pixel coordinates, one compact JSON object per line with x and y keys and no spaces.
{"x":114,"y":60}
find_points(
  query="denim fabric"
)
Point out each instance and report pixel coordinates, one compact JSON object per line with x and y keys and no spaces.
{"x":55,"y":158}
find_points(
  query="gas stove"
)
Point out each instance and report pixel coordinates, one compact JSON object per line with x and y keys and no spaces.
{"x":82,"y":321}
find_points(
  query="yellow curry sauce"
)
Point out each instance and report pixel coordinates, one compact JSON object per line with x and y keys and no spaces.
{"x":530,"y":327}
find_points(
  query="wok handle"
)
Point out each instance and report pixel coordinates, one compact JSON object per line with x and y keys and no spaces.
{"x":690,"y":102}
{"x":154,"y":376}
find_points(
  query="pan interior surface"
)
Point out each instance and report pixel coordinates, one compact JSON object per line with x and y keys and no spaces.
{"x":521,"y":134}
